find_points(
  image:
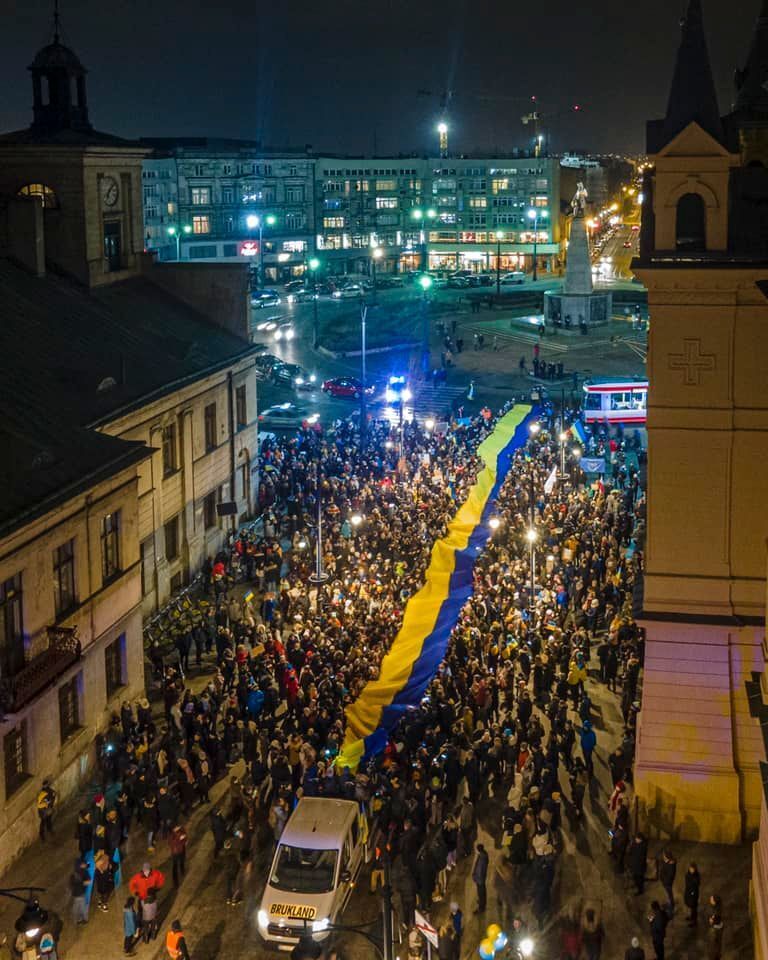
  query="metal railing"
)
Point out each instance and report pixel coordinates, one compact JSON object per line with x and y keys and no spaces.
{"x":42,"y":670}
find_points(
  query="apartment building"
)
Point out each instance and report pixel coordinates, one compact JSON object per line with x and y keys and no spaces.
{"x":129,"y":427}
{"x":229,"y":200}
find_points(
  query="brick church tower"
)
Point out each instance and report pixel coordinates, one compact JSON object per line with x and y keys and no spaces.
{"x":704,"y":260}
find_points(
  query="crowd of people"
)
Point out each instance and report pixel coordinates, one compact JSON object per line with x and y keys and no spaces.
{"x":506,"y":724}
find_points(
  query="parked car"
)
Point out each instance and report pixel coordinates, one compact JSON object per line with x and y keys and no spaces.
{"x":265,"y":298}
{"x":349,"y":290}
{"x":282,"y":415}
{"x":517,"y":276}
{"x":389,"y":281}
{"x":302,"y":295}
{"x":265,"y":363}
{"x":346,"y":387}
{"x":294,"y":285}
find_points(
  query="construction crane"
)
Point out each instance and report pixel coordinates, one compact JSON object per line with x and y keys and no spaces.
{"x":535,"y":117}
{"x":447,"y":96}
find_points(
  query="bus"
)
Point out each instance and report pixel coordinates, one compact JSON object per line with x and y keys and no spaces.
{"x":615,"y":401}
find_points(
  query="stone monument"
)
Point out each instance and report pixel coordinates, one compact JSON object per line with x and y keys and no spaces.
{"x":578,"y":304}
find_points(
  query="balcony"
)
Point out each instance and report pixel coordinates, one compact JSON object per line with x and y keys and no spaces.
{"x":42,"y":670}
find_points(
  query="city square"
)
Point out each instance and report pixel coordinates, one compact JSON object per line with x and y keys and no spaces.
{"x":383,"y":566}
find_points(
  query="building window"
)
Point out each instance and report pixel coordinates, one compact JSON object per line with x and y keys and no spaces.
{"x":386,"y":184}
{"x":15,"y":758}
{"x":114,"y":665}
{"x":170,"y":463}
{"x":210,"y":518}
{"x":201,"y":196}
{"x":294,"y":194}
{"x":691,"y":223}
{"x":201,"y":224}
{"x":69,"y":707}
{"x":227,"y":169}
{"x":227,"y":195}
{"x":11,"y":626}
{"x":177,"y":582}
{"x":147,"y":566}
{"x":210,"y":427}
{"x":241,"y":408}
{"x":64,"y":598}
{"x":199,"y":169}
{"x":497,"y":186}
{"x":333,"y":223}
{"x":43,"y":192}
{"x":229,"y":224}
{"x":112,"y":246}
{"x":203,"y":251}
{"x":172,"y":538}
{"x":294,"y":246}
{"x":110,"y":545}
{"x":478,"y":203}
{"x":386,"y":203}
{"x":295,"y":221}
{"x":229,"y":250}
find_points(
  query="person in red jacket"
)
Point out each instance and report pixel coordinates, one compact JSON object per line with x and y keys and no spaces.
{"x":147,"y":879}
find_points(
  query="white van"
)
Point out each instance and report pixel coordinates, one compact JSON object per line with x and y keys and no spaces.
{"x":318,"y":857}
{"x":517,"y":276}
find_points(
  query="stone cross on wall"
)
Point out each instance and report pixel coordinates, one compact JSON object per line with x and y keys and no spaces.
{"x":692,"y":362}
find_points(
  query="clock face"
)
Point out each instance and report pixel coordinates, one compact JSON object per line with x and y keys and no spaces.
{"x":109,"y":191}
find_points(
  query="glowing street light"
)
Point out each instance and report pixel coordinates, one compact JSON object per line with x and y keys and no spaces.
{"x":252,"y":221}
{"x":534,"y":428}
{"x":423,"y":217}
{"x":531,"y":536}
{"x":314,"y":265}
{"x":176,"y":232}
{"x":429,"y":424}
{"x":499,"y":235}
{"x":494,"y":523}
{"x":536,"y":214}
{"x":425,"y":282}
{"x":355,"y":519}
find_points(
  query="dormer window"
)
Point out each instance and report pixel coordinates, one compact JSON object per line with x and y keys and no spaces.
{"x":691,"y":223}
{"x":45,"y":193}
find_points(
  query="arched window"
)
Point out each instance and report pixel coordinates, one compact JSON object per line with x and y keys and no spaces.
{"x":691,"y":223}
{"x":46,"y":194}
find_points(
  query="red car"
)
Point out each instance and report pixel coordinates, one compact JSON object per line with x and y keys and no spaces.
{"x":345,"y":387}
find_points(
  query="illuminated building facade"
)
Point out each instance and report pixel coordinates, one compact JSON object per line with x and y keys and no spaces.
{"x":700,"y":771}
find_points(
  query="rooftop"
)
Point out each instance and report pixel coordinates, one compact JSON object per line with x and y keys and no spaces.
{"x":75,"y":359}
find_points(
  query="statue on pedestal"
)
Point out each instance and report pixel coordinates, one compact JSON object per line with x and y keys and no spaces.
{"x":579,"y":201}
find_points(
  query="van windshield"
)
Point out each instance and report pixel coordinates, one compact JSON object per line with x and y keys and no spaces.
{"x":303,"y":871}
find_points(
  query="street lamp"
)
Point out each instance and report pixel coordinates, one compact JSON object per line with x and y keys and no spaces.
{"x":429,"y":424}
{"x":425,"y":282}
{"x":499,"y":237}
{"x":314,"y":266}
{"x":535,"y":214}
{"x":423,"y":217}
{"x":494,"y":523}
{"x":563,"y":441}
{"x":531,"y":536}
{"x":252,"y":221}
{"x":177,"y":232}
{"x":376,"y":254}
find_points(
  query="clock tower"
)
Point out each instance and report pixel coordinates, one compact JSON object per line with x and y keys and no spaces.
{"x":88,"y":182}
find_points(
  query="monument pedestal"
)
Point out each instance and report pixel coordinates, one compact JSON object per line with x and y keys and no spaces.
{"x":578,"y":304}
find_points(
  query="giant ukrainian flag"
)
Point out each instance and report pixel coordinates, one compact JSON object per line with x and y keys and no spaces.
{"x":431,"y":614}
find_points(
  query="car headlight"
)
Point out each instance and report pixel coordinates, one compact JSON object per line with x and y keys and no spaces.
{"x":289,"y":334}
{"x":337,"y":294}
{"x":319,"y":925}
{"x":299,"y":381}
{"x":263,"y":919}
{"x":312,"y":378}
{"x":278,"y":334}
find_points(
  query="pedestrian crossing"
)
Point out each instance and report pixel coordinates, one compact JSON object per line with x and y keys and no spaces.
{"x":518,"y":337}
{"x":429,"y":402}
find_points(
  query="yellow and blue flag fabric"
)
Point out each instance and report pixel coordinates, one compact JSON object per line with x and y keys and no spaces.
{"x":578,"y":432}
{"x":431,"y":614}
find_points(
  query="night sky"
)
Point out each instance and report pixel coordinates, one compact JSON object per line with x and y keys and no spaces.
{"x":343,"y":75}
